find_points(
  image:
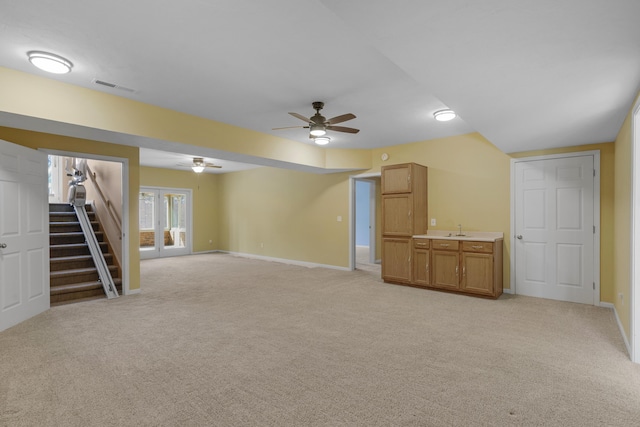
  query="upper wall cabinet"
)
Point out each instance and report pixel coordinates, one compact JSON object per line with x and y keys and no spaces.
{"x":404,"y":199}
{"x":404,"y":178}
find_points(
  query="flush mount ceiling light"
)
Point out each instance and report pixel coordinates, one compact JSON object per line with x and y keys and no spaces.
{"x":317,"y":130}
{"x":444,"y":115}
{"x":322,"y":140}
{"x":50,"y":62}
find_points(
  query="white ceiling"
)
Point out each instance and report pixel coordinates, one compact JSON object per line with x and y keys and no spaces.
{"x":527,"y":74}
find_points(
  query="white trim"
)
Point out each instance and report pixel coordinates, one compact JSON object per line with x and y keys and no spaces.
{"x":508,"y":291}
{"x":212,"y":251}
{"x":286,"y":261}
{"x":126,"y":277}
{"x":164,"y":190}
{"x":634,"y":285}
{"x":596,"y":215}
{"x":620,"y":327}
{"x":134,"y":292}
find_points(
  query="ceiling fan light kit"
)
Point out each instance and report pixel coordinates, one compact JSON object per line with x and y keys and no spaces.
{"x":444,"y":115}
{"x":49,"y":62}
{"x":317,"y":130}
{"x":318,"y":125}
{"x":322,"y":140}
{"x":199,"y":165}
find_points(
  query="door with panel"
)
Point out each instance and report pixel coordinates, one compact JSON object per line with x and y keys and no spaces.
{"x":554,"y":229}
{"x":24,"y":234}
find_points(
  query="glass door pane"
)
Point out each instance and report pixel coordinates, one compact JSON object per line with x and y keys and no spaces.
{"x":175,"y":232}
{"x":147,"y":221}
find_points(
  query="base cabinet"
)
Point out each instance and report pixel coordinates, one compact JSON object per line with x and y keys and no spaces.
{"x":468,"y":267}
{"x":396,"y":256}
{"x":421,"y":261}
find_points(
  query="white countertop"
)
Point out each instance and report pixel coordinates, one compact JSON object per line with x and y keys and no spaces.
{"x":482,"y":236}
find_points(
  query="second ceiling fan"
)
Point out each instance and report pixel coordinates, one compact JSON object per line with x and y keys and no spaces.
{"x":318,"y":125}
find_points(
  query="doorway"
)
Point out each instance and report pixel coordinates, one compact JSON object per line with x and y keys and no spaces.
{"x":555,"y":208}
{"x":165,"y":222}
{"x":107,"y":187}
{"x":364,"y":227}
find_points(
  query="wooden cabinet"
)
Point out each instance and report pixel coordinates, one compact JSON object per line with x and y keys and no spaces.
{"x":482,"y":268}
{"x":446,"y":264}
{"x":396,"y":259}
{"x":404,"y":214}
{"x":421,"y":261}
{"x":469,"y":267}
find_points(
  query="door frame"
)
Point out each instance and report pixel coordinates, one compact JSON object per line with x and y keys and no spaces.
{"x":596,"y":215}
{"x":634,"y":286}
{"x":352,"y":216}
{"x":125,"y":261}
{"x":189,"y":227}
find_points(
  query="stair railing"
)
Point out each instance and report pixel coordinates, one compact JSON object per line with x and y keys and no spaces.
{"x":110,"y":209}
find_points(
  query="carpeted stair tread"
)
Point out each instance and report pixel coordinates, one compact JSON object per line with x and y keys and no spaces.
{"x":77,"y":271}
{"x":75,"y":287}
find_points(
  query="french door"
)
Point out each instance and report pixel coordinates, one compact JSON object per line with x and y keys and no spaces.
{"x":165,"y":222}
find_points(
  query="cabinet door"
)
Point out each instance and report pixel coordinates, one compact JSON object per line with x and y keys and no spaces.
{"x":445,"y":266}
{"x":397,"y":215}
{"x":396,"y":260}
{"x":477,"y":273}
{"x":421,"y":267}
{"x":396,"y":179}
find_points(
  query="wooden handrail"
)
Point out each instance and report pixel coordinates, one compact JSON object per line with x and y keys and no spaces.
{"x":112,"y":212}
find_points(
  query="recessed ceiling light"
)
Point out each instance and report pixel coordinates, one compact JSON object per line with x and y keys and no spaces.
{"x":444,"y":115}
{"x":322,"y":140}
{"x":50,"y":62}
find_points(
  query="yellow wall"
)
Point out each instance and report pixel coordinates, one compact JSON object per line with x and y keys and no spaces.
{"x":37,"y":140}
{"x":205,"y":191}
{"x":66,"y":103}
{"x":286,"y":214}
{"x":468,"y":183}
{"x":622,"y":228}
{"x":607,"y":192}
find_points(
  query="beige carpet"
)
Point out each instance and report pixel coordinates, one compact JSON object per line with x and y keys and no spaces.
{"x":216,"y":340}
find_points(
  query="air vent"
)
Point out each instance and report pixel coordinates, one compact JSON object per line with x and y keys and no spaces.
{"x":113,"y":85}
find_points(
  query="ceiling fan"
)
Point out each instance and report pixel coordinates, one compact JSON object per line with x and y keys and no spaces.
{"x":318,"y":125}
{"x":199,"y":165}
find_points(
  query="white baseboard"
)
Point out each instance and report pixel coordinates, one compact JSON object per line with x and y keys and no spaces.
{"x":286,"y":261}
{"x":133,"y":292}
{"x":507,"y":291}
{"x":615,"y":312}
{"x":213,"y":251}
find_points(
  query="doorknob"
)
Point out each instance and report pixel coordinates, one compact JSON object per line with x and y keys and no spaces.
{"x":3,"y":245}
{"x":519,"y":236}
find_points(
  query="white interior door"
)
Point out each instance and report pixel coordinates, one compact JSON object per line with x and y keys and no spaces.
{"x":24,"y":234}
{"x":554,"y":229}
{"x":165,"y":222}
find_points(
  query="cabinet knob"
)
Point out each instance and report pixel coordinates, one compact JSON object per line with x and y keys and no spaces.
{"x":519,"y":237}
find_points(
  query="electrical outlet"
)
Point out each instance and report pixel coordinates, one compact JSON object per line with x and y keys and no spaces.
{"x":433,"y":221}
{"x":261,"y":245}
{"x":339,"y":218}
{"x":211,"y":242}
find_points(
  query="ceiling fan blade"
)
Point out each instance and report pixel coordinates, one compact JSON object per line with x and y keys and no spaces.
{"x":340,"y":119}
{"x":301,"y":117}
{"x":211,"y":165}
{"x":291,"y":127}
{"x":343,"y":129}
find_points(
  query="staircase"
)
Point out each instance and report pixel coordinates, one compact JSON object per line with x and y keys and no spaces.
{"x":74,"y":276}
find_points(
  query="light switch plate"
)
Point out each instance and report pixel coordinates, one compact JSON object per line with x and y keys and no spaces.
{"x":433,"y":221}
